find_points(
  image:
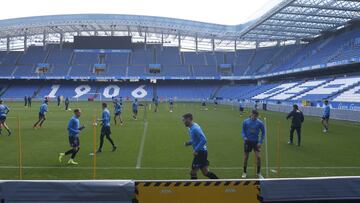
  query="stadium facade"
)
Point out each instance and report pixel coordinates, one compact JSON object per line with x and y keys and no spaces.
{"x":299,"y":50}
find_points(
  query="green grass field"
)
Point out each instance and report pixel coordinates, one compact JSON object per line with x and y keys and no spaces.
{"x":157,"y":151}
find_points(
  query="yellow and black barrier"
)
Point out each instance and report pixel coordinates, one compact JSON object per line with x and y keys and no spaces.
{"x":197,"y":191}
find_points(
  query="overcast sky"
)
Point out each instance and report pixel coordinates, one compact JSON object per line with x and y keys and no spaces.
{"x":215,"y":11}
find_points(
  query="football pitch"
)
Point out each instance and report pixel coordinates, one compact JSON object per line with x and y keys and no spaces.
{"x":152,"y":147}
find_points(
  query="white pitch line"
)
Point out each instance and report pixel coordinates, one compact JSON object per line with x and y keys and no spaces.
{"x":142,"y":144}
{"x":170,"y":168}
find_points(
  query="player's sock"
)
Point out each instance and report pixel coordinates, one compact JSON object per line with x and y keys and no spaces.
{"x":69,"y":152}
{"x":9,"y":132}
{"x":245,"y":169}
{"x":211,"y":175}
{"x":111,"y":141}
{"x":258,"y":170}
{"x":74,"y":153}
{"x":193,"y":177}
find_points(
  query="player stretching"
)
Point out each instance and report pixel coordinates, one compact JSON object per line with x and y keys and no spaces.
{"x":135,"y":107}
{"x":198,"y":142}
{"x":4,"y":110}
{"x":171,"y":103}
{"x":105,"y":129}
{"x":118,"y":110}
{"x":326,"y":116}
{"x":42,"y":112}
{"x":250,"y":133}
{"x":74,"y":130}
{"x":297,"y":120}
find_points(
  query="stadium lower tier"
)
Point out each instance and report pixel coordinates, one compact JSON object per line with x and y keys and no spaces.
{"x":341,"y":90}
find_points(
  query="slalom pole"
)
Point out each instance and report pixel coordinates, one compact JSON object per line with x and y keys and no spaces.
{"x":20,"y":149}
{"x":266,"y":150}
{"x":94,"y":147}
{"x":278,"y":150}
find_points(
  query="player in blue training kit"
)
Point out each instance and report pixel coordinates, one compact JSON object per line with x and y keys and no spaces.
{"x":171,"y":103}
{"x":105,"y":128}
{"x":74,"y":130}
{"x":250,"y":133}
{"x":198,"y":142}
{"x":326,"y":116}
{"x":42,"y":112}
{"x":4,"y":110}
{"x":118,"y":110}
{"x":135,"y":107}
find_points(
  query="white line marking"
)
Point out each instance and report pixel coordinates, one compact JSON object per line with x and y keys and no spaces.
{"x":172,"y":168}
{"x":142,"y":144}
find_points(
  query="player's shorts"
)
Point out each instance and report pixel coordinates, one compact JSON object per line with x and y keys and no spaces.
{"x":203,"y":104}
{"x":135,"y":111}
{"x":241,"y":109}
{"x":325,"y":118}
{"x":41,"y":115}
{"x":250,"y":146}
{"x":105,"y":130}
{"x":118,"y":113}
{"x":2,"y":119}
{"x":74,"y":141}
{"x":200,"y":160}
{"x":215,"y":103}
{"x":171,"y":103}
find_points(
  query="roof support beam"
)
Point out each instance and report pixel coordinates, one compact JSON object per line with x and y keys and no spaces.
{"x":315,"y":14}
{"x":293,"y":26}
{"x":306,"y":20}
{"x":332,"y":8}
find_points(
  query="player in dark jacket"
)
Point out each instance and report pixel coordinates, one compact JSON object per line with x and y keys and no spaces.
{"x":297,"y":119}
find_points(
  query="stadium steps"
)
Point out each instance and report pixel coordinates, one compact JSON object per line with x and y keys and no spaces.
{"x":285,"y":58}
{"x":215,"y":92}
{"x":69,"y":71}
{"x":277,"y":93}
{"x":313,"y":52}
{"x":37,"y":91}
{"x":14,"y":71}
{"x":4,"y":89}
{"x":277,"y":54}
{"x":251,"y":58}
{"x":72,"y":57}
{"x":18,"y":58}
{"x":191,"y":69}
{"x":49,"y":50}
{"x":182,"y":58}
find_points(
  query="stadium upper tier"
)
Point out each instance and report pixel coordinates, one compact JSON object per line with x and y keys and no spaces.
{"x":66,"y":62}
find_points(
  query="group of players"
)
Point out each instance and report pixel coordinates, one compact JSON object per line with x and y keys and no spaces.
{"x":251,"y":129}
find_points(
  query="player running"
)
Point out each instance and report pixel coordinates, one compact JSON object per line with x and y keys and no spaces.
{"x":156,"y":102}
{"x":4,"y":110}
{"x":118,"y":110}
{"x":241,"y":106}
{"x":203,"y":104}
{"x":171,"y":103}
{"x":297,"y":120}
{"x":135,"y":107}
{"x":198,"y":142}
{"x":74,"y":130}
{"x":250,"y":133}
{"x":105,"y":129}
{"x":67,"y":102}
{"x":42,"y":112}
{"x":215,"y":103}
{"x":326,"y":116}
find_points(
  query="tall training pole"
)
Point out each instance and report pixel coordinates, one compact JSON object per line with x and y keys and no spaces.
{"x":20,"y":149}
{"x":94,"y":147}
{"x":266,"y":151}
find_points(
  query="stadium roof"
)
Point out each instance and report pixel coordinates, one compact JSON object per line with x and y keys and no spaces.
{"x":289,"y":20}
